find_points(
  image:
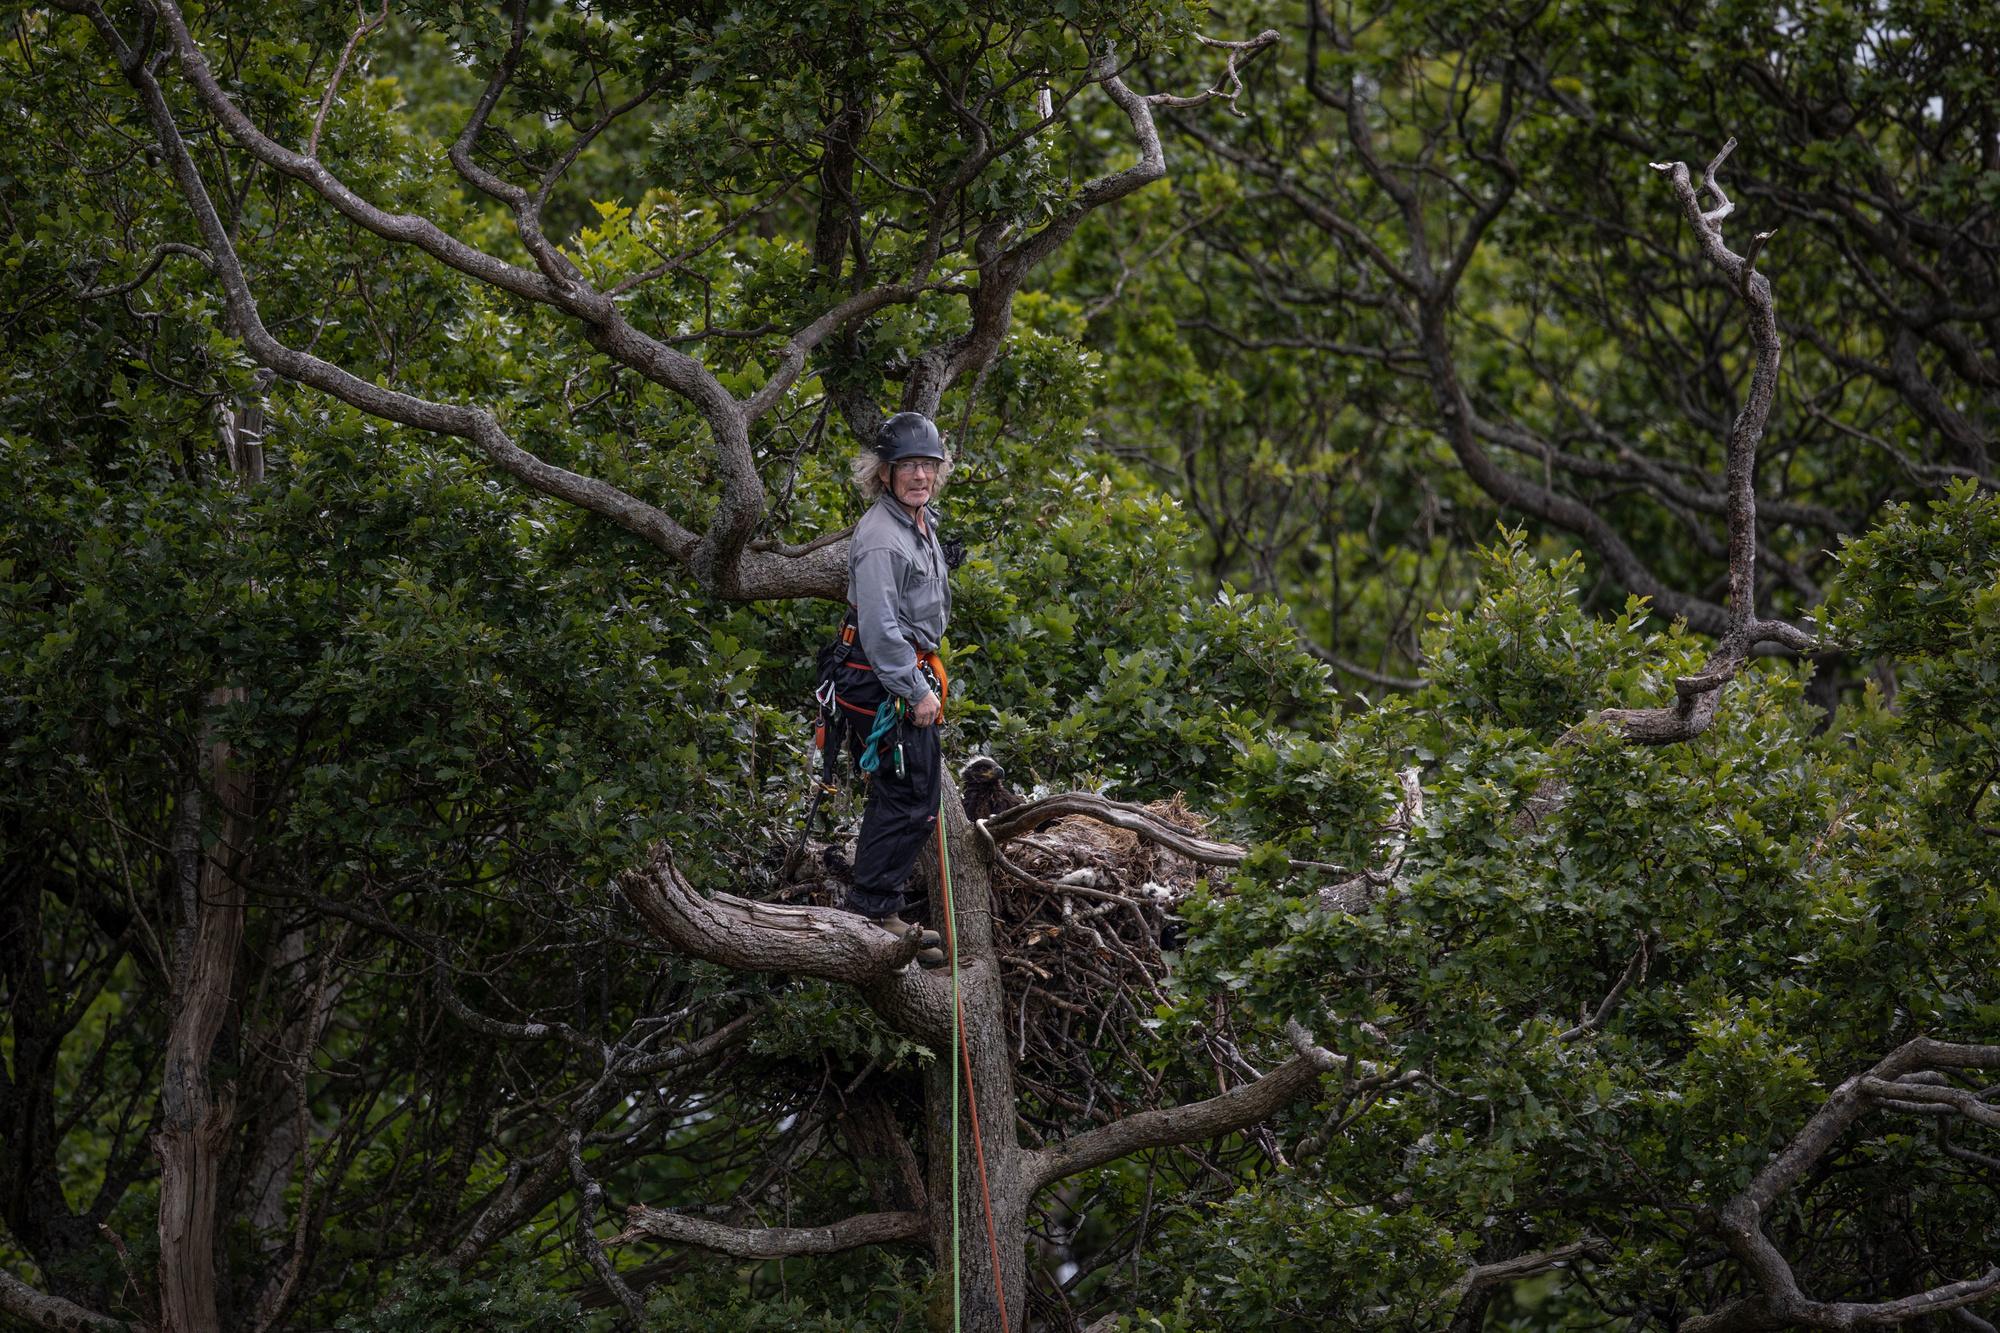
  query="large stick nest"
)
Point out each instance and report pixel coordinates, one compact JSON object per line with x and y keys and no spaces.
{"x":1083,"y":954}
{"x":1085,"y":923}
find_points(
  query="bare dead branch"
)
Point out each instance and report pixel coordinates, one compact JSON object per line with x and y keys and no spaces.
{"x":1634,"y":971}
{"x":1697,"y":696}
{"x":154,"y":259}
{"x":591,"y":1201}
{"x":1353,"y":1071}
{"x":1119,"y":814}
{"x":732,"y":1033}
{"x":1230,"y":86}
{"x":850,"y":1233}
{"x":1503,"y":1271}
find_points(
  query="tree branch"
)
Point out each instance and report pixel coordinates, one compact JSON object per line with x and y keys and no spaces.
{"x":152,"y":263}
{"x":1634,"y":971}
{"x":751,"y":936}
{"x":851,"y":1233}
{"x":362,"y":31}
{"x":1119,"y":814}
{"x":1239,"y":1108}
{"x":1697,"y":696}
{"x":1230,"y":86}
{"x":1001,"y":272}
{"x":1483,"y":1277}
{"x":408,"y":228}
{"x":1779,"y":1302}
{"x":718,"y":557}
{"x":38,"y":1309}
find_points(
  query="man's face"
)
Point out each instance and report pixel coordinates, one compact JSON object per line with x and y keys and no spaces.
{"x":913,"y":481}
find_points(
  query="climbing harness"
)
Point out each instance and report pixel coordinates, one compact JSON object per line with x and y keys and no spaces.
{"x":964,"y":1057}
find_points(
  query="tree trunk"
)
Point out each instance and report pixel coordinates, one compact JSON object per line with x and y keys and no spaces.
{"x":982,"y":1283}
{"x":195,"y":1116}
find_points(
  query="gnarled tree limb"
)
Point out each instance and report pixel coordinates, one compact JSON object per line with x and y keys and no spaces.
{"x":1779,"y":1303}
{"x":1119,"y":814}
{"x":1697,"y":696}
{"x":825,"y":942}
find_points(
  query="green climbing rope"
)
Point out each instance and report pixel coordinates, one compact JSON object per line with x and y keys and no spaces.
{"x":951,"y":945}
{"x":886,"y":716}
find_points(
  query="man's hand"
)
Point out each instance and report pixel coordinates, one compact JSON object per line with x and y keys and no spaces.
{"x":927,"y":710}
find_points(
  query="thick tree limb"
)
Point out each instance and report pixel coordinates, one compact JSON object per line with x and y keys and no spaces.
{"x":751,"y":936}
{"x":825,"y":942}
{"x":851,"y":1233}
{"x":1779,"y":1303}
{"x":1239,"y":1108}
{"x":407,"y":228}
{"x":475,"y":425}
{"x":38,"y":1309}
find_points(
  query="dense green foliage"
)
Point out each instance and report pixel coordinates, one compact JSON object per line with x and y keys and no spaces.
{"x":1206,"y":464}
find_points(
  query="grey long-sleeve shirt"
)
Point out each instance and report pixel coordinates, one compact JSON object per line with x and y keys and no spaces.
{"x":898,"y":586}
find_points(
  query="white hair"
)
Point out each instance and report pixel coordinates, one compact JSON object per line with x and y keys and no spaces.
{"x":870,"y":475}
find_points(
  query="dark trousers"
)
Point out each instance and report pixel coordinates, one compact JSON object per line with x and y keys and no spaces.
{"x":901,"y":814}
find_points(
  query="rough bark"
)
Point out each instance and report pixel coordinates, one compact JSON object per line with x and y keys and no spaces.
{"x":196,"y":1114}
{"x":770,"y":1242}
{"x":990,"y":1265}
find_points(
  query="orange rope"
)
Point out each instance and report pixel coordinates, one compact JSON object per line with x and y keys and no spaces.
{"x":971,"y":1099}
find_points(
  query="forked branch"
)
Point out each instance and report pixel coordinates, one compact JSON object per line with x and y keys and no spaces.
{"x":1230,"y":86}
{"x":1697,"y":696}
{"x":1908,"y":1078}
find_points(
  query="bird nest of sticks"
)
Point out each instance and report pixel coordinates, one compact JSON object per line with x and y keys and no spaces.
{"x":1085,"y":919}
{"x":1086,"y":923}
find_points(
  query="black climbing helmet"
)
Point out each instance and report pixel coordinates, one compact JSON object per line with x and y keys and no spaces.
{"x":908,"y":435}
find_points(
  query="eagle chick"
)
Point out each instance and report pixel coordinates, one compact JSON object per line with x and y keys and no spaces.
{"x":981,"y":783}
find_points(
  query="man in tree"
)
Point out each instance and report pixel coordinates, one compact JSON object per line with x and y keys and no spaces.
{"x":900,"y":598}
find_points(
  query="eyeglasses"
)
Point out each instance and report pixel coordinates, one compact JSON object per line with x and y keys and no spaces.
{"x":924,"y":466}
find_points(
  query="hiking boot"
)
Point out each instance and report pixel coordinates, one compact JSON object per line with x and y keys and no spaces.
{"x":929,"y":950}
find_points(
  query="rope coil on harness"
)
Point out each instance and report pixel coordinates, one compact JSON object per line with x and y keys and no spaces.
{"x":886,"y":718}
